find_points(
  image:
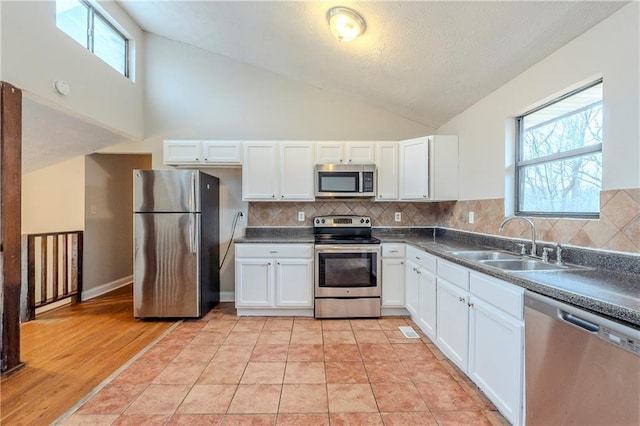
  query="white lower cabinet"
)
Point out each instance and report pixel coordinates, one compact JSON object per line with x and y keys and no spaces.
{"x":496,"y":343}
{"x":254,"y":282}
{"x":428,"y":303}
{"x":453,"y":323}
{"x":294,"y":283}
{"x":412,"y":288}
{"x":274,"y":279}
{"x":393,"y":276}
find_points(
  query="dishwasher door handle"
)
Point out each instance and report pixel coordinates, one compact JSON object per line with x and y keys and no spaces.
{"x":587,"y":325}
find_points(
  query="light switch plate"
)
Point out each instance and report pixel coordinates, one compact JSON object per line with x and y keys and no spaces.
{"x":300,"y":216}
{"x":472,"y":217}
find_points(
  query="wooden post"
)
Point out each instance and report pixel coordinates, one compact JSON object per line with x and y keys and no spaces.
{"x":10,"y":239}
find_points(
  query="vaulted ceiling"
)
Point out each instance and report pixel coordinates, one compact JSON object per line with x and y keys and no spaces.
{"x":424,"y":60}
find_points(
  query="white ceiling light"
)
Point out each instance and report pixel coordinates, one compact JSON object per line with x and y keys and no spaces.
{"x":345,"y":24}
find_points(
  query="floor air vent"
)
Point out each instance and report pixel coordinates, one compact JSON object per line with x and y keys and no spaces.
{"x":409,"y":332}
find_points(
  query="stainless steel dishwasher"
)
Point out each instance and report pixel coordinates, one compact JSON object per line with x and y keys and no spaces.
{"x":580,"y":369}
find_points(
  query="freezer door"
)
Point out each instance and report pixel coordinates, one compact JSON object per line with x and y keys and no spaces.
{"x":166,"y":273}
{"x":159,"y":191}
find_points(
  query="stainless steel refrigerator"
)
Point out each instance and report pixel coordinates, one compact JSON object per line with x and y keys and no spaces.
{"x":176,"y":243}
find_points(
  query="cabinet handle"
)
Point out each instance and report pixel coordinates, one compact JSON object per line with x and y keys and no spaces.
{"x":277,"y":263}
{"x":273,"y":196}
{"x":470,"y":305}
{"x":402,"y":263}
{"x":273,"y":251}
{"x":424,"y":196}
{"x":393,"y":251}
{"x":418,"y":271}
{"x":269,"y":263}
{"x":461,"y":299}
{"x":417,"y":258}
{"x":197,"y":159}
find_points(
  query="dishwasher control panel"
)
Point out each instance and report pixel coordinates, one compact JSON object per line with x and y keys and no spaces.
{"x":619,"y":339}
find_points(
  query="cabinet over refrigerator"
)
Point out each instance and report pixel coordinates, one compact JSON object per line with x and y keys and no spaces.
{"x":176,"y":252}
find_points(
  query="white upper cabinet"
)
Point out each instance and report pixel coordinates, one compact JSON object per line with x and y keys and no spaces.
{"x":195,"y":152}
{"x":296,"y":171}
{"x":387,"y":171}
{"x":182,"y":152}
{"x":222,"y":152}
{"x":260,"y":171}
{"x":428,"y":168}
{"x":275,"y":171}
{"x":345,"y":153}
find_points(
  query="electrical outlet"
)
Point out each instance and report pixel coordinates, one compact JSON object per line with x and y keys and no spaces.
{"x":300,"y":216}
{"x":472,"y":217}
{"x":398,"y":216}
{"x":241,"y":215}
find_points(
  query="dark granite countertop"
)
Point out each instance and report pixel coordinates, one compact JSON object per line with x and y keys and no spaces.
{"x":611,"y":288}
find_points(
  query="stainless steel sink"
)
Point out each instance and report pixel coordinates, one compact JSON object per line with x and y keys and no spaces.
{"x":480,"y":255}
{"x":524,"y":265}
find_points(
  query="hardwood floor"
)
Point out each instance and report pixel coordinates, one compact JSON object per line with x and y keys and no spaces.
{"x":68,"y":352}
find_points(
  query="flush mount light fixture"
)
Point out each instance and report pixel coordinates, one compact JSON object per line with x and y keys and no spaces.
{"x":345,"y":24}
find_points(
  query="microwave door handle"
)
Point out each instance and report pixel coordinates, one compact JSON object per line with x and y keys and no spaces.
{"x":360,"y":179}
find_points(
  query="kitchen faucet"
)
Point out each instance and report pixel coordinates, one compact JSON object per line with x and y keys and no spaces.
{"x":533,"y":230}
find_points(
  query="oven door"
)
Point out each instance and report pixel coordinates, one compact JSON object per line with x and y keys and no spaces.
{"x":349,"y":270}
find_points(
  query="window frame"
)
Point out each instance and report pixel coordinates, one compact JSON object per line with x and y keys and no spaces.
{"x":578,"y":152}
{"x":89,"y":42}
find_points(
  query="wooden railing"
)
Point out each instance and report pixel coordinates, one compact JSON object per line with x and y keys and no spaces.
{"x":54,"y":268}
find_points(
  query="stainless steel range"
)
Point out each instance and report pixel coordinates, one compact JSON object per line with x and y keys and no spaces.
{"x":347,"y":268}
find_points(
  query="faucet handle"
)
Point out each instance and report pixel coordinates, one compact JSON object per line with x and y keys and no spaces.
{"x":522,"y":247}
{"x":545,"y":253}
{"x":558,"y":248}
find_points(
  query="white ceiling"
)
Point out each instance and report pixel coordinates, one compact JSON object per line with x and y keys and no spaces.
{"x":424,"y":60}
{"x":50,"y":135}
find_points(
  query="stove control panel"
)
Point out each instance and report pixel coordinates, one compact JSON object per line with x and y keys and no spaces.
{"x":342,"y":221}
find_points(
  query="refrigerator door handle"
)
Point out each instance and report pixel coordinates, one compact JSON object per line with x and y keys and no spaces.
{"x":192,"y":234}
{"x":192,"y":200}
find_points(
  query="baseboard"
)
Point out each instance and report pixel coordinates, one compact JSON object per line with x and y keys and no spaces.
{"x":106,"y":288}
{"x":227,"y":296}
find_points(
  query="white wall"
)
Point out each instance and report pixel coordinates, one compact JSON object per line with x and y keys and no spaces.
{"x":609,"y":50}
{"x":35,"y":53}
{"x":53,"y":198}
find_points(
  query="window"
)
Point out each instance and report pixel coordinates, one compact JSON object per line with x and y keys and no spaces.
{"x":559,"y":156}
{"x":83,"y":23}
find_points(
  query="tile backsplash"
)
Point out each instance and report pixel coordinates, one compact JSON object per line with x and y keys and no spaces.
{"x":382,"y":214}
{"x":617,"y":229}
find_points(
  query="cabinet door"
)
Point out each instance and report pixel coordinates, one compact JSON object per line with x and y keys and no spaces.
{"x":387,"y":162}
{"x":453,"y":323}
{"x":427,"y":311}
{"x":412,"y":292}
{"x":361,"y":153}
{"x":496,"y":353}
{"x":222,"y":152}
{"x":330,"y":152}
{"x":393,"y":283}
{"x":260,"y":171}
{"x":254,"y":282}
{"x":296,"y":171}
{"x":181,"y":152}
{"x":414,"y":169}
{"x":294,"y":283}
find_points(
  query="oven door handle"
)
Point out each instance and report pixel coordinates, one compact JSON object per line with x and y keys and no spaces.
{"x":348,"y":248}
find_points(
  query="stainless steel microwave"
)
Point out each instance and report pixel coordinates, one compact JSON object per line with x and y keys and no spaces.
{"x":345,"y":180}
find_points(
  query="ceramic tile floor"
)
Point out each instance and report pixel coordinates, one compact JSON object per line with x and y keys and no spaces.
{"x":225,"y":370}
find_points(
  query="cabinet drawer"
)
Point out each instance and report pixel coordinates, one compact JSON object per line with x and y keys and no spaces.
{"x":392,"y":250}
{"x":500,"y":294}
{"x":423,"y":259}
{"x":275,"y":250}
{"x":454,"y":274}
